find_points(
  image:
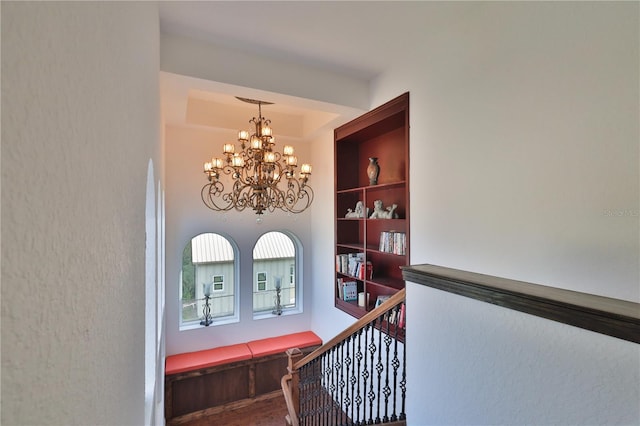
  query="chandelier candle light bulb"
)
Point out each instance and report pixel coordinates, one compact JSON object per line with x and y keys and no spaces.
{"x":237,"y":161}
{"x":255,"y":173}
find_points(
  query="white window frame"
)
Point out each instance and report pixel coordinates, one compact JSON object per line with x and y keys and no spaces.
{"x":259,"y":281}
{"x":213,"y":280}
{"x":296,"y":276}
{"x":217,"y":321}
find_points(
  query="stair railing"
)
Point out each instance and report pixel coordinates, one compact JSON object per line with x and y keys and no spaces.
{"x":356,"y":378}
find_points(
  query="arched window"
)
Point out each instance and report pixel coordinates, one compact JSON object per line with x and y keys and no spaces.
{"x":209,"y":267}
{"x":276,"y":260}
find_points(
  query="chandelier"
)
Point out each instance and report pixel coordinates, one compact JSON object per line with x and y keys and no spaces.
{"x":261,"y":177}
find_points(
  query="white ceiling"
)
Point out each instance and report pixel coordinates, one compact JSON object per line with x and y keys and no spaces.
{"x":357,"y":38}
{"x":354,"y":38}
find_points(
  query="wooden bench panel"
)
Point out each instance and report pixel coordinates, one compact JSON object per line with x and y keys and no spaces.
{"x":198,"y":382}
{"x":210,"y":390}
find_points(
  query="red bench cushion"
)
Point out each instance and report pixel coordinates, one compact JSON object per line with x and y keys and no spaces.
{"x":207,"y":358}
{"x":279,"y":344}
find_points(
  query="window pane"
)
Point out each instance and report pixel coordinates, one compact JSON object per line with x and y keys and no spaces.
{"x":208,"y":261}
{"x":274,"y":266}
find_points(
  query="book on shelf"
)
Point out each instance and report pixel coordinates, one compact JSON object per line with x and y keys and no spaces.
{"x":381,"y":299}
{"x":349,"y":291}
{"x":393,"y":242}
{"x":401,"y":320}
{"x":364,"y":271}
{"x":349,"y":264}
{"x":392,"y":315}
{"x":396,"y":315}
{"x":354,"y":260}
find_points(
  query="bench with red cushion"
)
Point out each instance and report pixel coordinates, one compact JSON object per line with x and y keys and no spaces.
{"x":200,"y":381}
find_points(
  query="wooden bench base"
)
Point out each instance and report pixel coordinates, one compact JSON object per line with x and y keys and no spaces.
{"x":200,"y":389}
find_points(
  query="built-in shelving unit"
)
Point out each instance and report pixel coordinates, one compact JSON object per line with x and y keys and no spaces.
{"x":382,"y":133}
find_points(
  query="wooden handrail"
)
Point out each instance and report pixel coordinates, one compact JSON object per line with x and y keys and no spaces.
{"x":612,"y":317}
{"x":288,"y":382}
{"x":292,"y":418}
{"x":389,"y":304}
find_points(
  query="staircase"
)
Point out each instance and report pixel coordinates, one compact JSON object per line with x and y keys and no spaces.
{"x":356,"y":378}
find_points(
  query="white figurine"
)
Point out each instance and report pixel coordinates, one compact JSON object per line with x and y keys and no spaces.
{"x":358,"y":213}
{"x":381,"y":213}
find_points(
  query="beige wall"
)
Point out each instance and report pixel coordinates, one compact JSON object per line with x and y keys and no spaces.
{"x":80,"y":116}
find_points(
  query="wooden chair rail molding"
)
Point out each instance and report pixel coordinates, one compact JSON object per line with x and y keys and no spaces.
{"x":613,"y":317}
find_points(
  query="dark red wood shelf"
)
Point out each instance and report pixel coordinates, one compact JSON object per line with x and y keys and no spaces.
{"x":382,"y":133}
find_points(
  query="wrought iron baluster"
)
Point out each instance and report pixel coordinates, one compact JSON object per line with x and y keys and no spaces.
{"x":396,"y":364}
{"x":317,"y":390}
{"x":335,"y":386}
{"x":353,"y":378}
{"x":347,"y":366}
{"x":403,"y":382}
{"x":387,"y":342}
{"x":328,"y":397}
{"x":379,"y":366}
{"x":358,"y":399}
{"x":365,"y":371}
{"x":325,"y":391}
{"x":372,"y":351}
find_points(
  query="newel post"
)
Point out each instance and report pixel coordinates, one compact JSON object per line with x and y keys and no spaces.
{"x":294,"y":354}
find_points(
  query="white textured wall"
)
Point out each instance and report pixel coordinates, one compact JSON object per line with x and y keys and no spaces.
{"x":525,"y":143}
{"x":524,"y":136}
{"x":524,"y":164}
{"x":80,"y":123}
{"x":473,"y":363}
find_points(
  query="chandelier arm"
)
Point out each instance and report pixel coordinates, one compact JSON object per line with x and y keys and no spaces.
{"x":211,"y":190}
{"x":298,"y":197}
{"x":256,"y":171}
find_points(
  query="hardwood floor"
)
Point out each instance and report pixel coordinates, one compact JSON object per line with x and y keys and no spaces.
{"x":269,"y":412}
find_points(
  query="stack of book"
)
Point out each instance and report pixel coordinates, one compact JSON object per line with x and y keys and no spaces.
{"x":393,"y":242}
{"x":353,"y":264}
{"x":396,"y":315}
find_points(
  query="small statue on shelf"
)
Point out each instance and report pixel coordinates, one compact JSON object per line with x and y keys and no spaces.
{"x":381,"y":213}
{"x":358,"y":213}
